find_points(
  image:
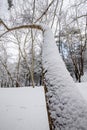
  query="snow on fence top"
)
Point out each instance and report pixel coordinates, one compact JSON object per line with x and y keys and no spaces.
{"x":67,"y":107}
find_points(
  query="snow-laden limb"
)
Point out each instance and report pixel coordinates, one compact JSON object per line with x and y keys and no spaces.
{"x":67,"y":107}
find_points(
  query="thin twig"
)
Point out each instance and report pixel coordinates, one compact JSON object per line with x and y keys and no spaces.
{"x":45,"y":11}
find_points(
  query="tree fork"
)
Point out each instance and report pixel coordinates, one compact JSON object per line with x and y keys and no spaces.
{"x":32,"y":26}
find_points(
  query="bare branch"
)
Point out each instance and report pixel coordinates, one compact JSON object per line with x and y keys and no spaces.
{"x":2,"y":22}
{"x":45,"y":11}
{"x":34,"y":26}
{"x":33,"y":11}
{"x":55,"y":12}
{"x":85,"y":15}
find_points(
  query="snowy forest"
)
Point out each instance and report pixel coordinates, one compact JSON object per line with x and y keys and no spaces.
{"x":44,"y":43}
{"x":21,"y":49}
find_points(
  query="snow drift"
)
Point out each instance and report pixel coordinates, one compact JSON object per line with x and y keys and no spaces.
{"x":67,"y":107}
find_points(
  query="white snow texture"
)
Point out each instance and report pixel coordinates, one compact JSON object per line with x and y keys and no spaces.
{"x":67,"y":107}
{"x":23,"y":108}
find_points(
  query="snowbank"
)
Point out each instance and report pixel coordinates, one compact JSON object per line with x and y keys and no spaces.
{"x":67,"y":107}
{"x":23,"y":109}
{"x":83,"y":89}
{"x":84,"y":77}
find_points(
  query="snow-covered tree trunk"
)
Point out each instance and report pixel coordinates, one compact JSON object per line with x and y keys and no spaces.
{"x":67,"y":108}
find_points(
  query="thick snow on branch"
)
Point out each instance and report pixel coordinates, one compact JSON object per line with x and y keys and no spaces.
{"x":67,"y":107}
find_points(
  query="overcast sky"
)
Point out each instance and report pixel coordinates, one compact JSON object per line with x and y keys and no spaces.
{"x":3,"y":9}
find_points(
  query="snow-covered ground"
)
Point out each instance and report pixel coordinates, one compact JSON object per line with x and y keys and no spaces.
{"x":23,"y":109}
{"x":83,"y":89}
{"x":84,"y":77}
